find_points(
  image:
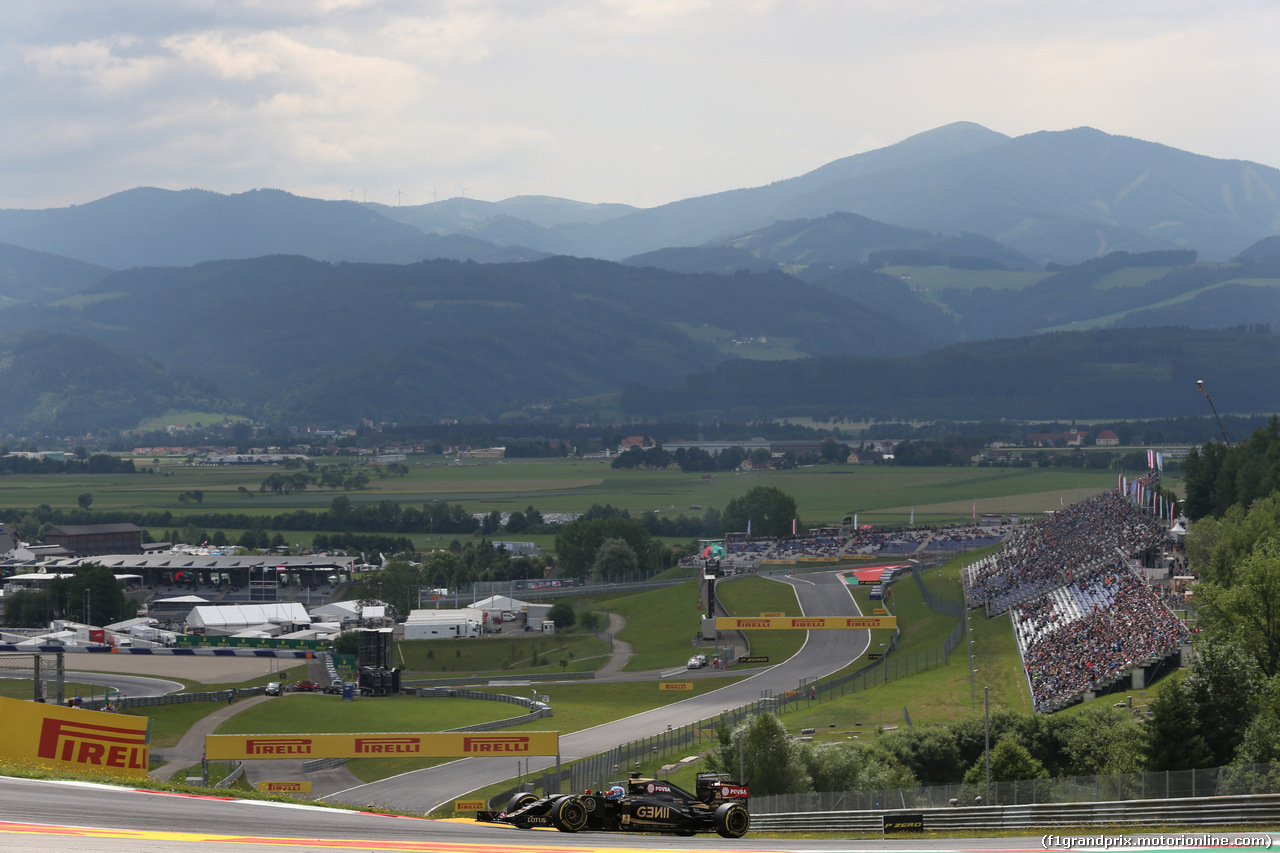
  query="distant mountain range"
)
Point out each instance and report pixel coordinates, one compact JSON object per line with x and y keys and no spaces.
{"x":302,"y":310}
{"x":1060,"y":197}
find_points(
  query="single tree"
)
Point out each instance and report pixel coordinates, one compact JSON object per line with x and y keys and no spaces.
{"x":1247,"y":612}
{"x":615,"y":559}
{"x":1010,"y":761}
{"x":766,"y":510}
{"x":1173,"y":739}
{"x":1223,"y":685}
{"x":562,"y":614}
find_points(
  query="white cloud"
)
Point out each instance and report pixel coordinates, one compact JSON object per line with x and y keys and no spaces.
{"x":639,"y":101}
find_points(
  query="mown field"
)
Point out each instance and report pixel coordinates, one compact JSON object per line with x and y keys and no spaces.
{"x":520,"y":654}
{"x":824,"y":495}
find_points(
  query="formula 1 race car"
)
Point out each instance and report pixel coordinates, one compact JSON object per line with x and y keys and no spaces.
{"x":645,"y":805}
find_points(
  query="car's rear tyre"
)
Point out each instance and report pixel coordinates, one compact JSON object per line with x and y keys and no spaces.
{"x":569,"y":814}
{"x":519,"y":801}
{"x":732,"y":820}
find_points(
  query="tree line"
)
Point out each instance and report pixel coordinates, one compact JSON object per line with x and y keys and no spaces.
{"x":92,"y":595}
{"x":1061,"y":375}
{"x":98,"y":463}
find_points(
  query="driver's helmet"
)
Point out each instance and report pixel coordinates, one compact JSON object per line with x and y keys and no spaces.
{"x":615,"y":793}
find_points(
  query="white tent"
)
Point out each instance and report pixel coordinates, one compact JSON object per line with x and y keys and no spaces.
{"x":343,"y":611}
{"x":500,"y":602}
{"x":230,"y":618}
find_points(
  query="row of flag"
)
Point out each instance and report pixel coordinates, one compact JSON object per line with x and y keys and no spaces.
{"x":1148,"y":498}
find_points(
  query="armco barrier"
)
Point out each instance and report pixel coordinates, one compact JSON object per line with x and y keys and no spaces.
{"x":1241,"y":810}
{"x":500,"y":679}
{"x":1152,"y":785}
{"x":537,"y":710}
{"x":125,"y":702}
{"x":232,"y":777}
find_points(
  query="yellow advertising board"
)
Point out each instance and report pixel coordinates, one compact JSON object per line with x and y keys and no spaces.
{"x":382,"y":745}
{"x":74,"y":739}
{"x":284,"y":787}
{"x":675,"y":685}
{"x":470,"y":806}
{"x":774,"y":623}
{"x":773,"y":613}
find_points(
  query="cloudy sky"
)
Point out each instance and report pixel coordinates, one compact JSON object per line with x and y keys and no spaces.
{"x":634,"y":101}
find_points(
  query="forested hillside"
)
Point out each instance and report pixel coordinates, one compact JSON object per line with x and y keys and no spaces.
{"x":1133,"y":373}
{"x":334,"y":342}
{"x":294,"y":340}
{"x":77,"y":385}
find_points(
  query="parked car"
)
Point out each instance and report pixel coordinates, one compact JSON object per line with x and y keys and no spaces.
{"x":274,"y":688}
{"x":697,"y":662}
{"x":305,"y":684}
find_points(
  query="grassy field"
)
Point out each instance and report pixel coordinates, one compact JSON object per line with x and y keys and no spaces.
{"x":825,"y":494}
{"x":729,"y":342}
{"x":661,"y":625}
{"x":751,"y":596}
{"x":515,"y":654}
{"x":945,"y":278}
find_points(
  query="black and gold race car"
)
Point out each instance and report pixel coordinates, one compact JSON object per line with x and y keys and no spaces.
{"x":645,"y":805}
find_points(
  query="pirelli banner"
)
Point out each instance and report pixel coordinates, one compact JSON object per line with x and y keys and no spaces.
{"x":809,"y":623}
{"x":391,"y":744}
{"x":74,"y":739}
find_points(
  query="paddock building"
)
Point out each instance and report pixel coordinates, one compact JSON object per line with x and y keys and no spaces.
{"x":249,"y":578}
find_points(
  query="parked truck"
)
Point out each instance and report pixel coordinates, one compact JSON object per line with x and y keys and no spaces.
{"x":440,"y":624}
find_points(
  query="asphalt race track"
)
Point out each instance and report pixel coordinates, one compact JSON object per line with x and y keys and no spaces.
{"x":60,"y":816}
{"x":824,"y":652}
{"x":128,"y":685}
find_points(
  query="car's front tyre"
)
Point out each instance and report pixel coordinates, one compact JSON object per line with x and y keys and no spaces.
{"x":519,"y":801}
{"x":569,"y":814}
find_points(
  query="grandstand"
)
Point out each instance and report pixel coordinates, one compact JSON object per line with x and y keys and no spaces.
{"x":1083,"y":616}
{"x":838,"y":543}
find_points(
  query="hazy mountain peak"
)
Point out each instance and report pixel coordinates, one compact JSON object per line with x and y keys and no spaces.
{"x":951,"y":140}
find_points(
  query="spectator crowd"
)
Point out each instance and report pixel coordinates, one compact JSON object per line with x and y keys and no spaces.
{"x":1082,"y":615}
{"x":1050,"y":553}
{"x":1101,"y":646}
